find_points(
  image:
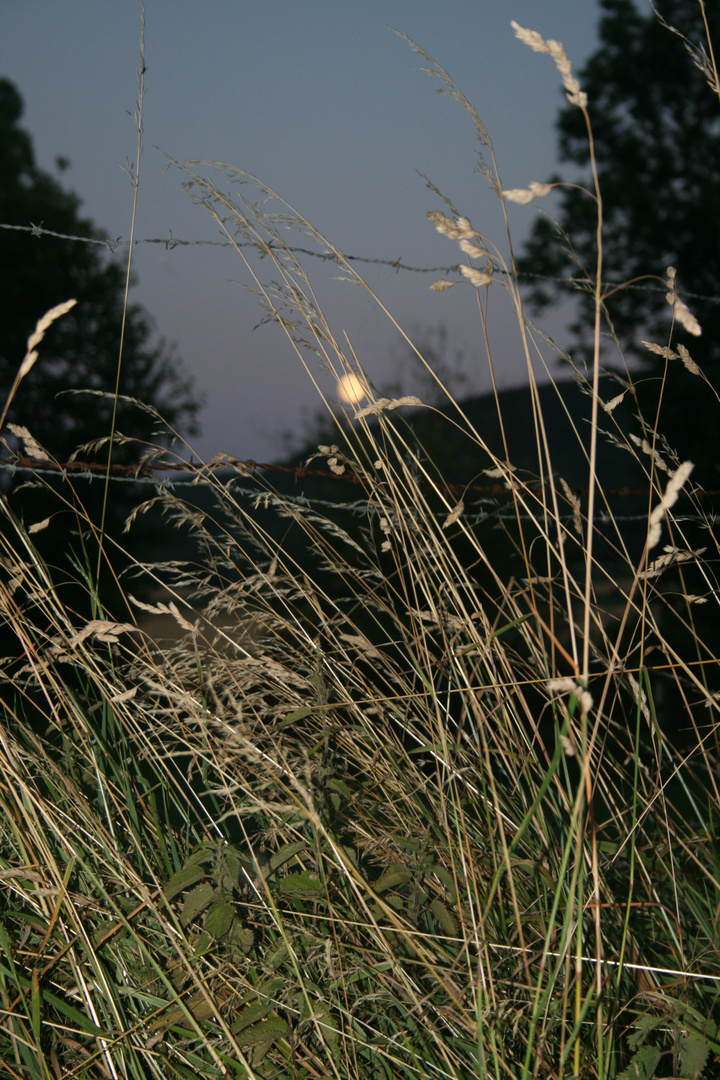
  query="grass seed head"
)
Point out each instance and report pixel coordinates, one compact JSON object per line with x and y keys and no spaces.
{"x":456,"y":230}
{"x":526,"y":195}
{"x":554,"y":49}
{"x":478,"y":278}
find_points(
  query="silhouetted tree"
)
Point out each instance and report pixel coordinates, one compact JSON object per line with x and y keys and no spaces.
{"x":655,"y":111}
{"x":79,"y":352}
{"x":81,"y":349}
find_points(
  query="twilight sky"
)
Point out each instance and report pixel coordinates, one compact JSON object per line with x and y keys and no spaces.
{"x":328,"y":107}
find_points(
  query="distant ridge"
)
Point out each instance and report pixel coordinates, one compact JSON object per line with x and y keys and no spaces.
{"x":459,"y":459}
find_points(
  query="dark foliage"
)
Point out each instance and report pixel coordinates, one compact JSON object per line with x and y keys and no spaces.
{"x":81,"y":350}
{"x":656,"y":126}
{"x":79,"y":353}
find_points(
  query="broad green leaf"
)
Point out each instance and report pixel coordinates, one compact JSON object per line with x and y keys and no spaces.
{"x":219,"y":918}
{"x":394,"y":877}
{"x":196,"y":901}
{"x":179,"y":974}
{"x":446,"y":920}
{"x":347,"y":854}
{"x":275,"y":956}
{"x":102,"y":929}
{"x":448,"y":881}
{"x":643,"y":1064}
{"x":305,"y":884}
{"x":263,"y":1034}
{"x":203,"y":853}
{"x":409,"y":843}
{"x":286,"y":852}
{"x":197,"y":1006}
{"x":397,"y":903}
{"x":244,"y":938}
{"x":699,"y":1025}
{"x":694,"y":1051}
{"x":331,"y":1035}
{"x":204,"y":944}
{"x":184,"y":878}
{"x":234,"y":863}
{"x":256,"y":1010}
{"x":644,"y":1025}
{"x":340,"y":786}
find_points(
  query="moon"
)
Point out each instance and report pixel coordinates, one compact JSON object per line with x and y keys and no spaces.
{"x":350,"y":389}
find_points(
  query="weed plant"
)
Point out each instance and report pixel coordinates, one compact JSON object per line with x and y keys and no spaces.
{"x":387,"y":806}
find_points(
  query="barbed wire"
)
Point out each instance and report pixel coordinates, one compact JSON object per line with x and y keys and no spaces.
{"x":473,"y":513}
{"x":246,"y":468}
{"x":169,"y":242}
{"x":145,"y":473}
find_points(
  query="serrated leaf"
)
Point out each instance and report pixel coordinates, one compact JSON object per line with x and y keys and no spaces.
{"x":286,"y":852}
{"x":643,"y":1064}
{"x":334,"y":800}
{"x":244,"y":938}
{"x":330,"y":1032}
{"x":448,"y":881}
{"x":699,"y":1025}
{"x":202,"y":853}
{"x":263,"y":1034}
{"x":256,"y":1010}
{"x":349,"y":980}
{"x":262,"y":992}
{"x":445,"y":918}
{"x":411,"y":843}
{"x":274,"y":957}
{"x":197,"y":1006}
{"x":397,"y":903}
{"x":204,"y":944}
{"x":196,"y":901}
{"x":643,"y":1026}
{"x":304,"y":884}
{"x":233,"y":864}
{"x":102,"y":929}
{"x":393,"y":878}
{"x":179,"y":974}
{"x":184,"y":878}
{"x":694,"y":1051}
{"x":219,"y":918}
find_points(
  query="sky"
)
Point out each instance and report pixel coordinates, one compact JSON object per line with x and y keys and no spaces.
{"x":329,"y":107}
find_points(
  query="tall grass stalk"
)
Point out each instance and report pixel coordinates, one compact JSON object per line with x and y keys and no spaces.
{"x":415,"y":784}
{"x":133,"y":172}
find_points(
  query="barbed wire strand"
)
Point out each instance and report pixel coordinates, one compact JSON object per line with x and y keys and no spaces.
{"x":91,"y":471}
{"x":170,"y":242}
{"x":145,"y":473}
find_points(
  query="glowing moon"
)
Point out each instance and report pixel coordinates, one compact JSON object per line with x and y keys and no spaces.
{"x":350,"y":389}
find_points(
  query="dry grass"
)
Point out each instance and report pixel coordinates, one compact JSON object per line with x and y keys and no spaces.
{"x":424,"y":818}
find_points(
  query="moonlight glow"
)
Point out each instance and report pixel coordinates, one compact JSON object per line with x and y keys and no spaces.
{"x":350,"y":389}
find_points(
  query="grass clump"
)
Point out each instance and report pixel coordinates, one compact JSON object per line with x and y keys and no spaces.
{"x":400,"y":799}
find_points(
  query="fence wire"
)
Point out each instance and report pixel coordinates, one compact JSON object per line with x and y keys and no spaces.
{"x":481,"y":510}
{"x":199,"y":471}
{"x":169,"y":242}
